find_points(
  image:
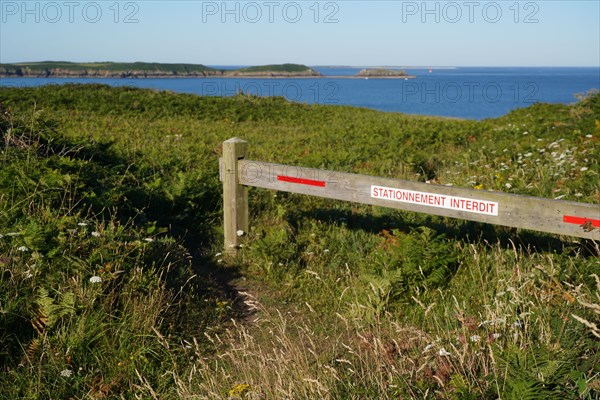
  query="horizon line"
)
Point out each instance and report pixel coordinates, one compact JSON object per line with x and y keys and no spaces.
{"x":423,"y":66}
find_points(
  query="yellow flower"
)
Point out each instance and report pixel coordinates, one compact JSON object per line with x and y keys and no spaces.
{"x":239,"y":390}
{"x":478,"y":187}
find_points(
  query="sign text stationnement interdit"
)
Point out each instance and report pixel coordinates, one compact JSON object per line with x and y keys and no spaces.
{"x":435,"y":200}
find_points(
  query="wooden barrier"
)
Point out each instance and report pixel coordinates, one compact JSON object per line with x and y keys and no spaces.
{"x":527,"y":212}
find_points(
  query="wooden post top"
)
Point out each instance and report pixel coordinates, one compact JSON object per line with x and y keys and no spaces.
{"x":235,"y":147}
{"x":235,"y":140}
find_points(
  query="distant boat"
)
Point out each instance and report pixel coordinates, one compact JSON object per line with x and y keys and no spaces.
{"x":430,"y":70}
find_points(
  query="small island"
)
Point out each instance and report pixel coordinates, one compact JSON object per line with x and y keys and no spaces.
{"x":53,"y":69}
{"x":383,"y":73}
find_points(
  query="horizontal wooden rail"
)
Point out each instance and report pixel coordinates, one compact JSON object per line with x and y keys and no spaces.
{"x":519,"y":211}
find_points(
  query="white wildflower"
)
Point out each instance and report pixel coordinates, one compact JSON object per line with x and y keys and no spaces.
{"x":578,"y":195}
{"x":23,"y":248}
{"x":496,"y":336}
{"x":66,"y":373}
{"x":508,"y":185}
{"x":475,"y":338}
{"x":443,"y":352}
{"x":149,"y":240}
{"x":240,"y":232}
{"x":326,"y":251}
{"x":583,"y":169}
{"x":218,"y":254}
{"x":82,"y":224}
{"x":427,"y":348}
{"x":96,"y":234}
{"x":12,"y":234}
{"x":219,"y":261}
{"x":588,"y":136}
{"x":95,"y":279}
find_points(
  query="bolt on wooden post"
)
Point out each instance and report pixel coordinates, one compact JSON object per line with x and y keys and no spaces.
{"x":235,"y":196}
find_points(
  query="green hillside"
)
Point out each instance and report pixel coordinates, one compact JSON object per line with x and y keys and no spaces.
{"x":113,"y":283}
{"x":110,"y":66}
{"x":62,"y":68}
{"x":277,"y":68}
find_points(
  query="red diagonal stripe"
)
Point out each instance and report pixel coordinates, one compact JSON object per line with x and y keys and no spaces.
{"x":301,"y":181}
{"x":569,"y":219}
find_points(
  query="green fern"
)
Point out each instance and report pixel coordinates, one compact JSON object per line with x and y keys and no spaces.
{"x":426,"y":261}
{"x":48,"y":313}
{"x":535,"y":374}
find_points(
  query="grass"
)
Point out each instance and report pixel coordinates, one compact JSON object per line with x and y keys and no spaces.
{"x":112,"y":284}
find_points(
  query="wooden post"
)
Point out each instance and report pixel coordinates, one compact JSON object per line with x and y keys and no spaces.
{"x":235,"y":196}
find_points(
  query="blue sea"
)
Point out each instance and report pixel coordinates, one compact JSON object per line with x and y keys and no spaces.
{"x":464,"y":92}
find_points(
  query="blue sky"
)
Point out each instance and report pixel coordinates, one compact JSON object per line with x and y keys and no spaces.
{"x":392,"y":33}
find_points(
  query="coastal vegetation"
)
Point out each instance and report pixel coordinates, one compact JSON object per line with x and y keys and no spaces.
{"x":382,"y":73}
{"x":144,"y":70}
{"x":63,"y":69}
{"x":109,"y":66}
{"x":113,"y":283}
{"x":276,"y":68}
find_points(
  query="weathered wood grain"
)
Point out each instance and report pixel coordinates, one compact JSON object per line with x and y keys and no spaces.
{"x":539,"y":214}
{"x":235,"y":196}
